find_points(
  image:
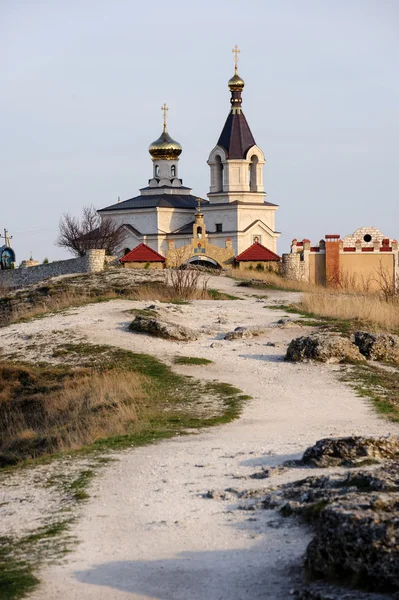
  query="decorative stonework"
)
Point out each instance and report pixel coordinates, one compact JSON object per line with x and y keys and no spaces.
{"x":364,"y":260}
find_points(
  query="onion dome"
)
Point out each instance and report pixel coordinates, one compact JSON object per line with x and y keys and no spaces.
{"x":236,"y":84}
{"x":165,"y":148}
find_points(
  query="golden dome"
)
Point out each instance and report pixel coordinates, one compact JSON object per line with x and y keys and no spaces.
{"x":165,"y":148}
{"x":236,"y":84}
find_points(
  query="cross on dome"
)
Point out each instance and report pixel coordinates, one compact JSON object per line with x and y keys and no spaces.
{"x":236,"y":51}
{"x":164,"y":109}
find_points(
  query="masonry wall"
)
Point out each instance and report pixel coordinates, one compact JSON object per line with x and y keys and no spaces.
{"x":364,"y":270}
{"x":144,"y":265}
{"x":317,"y":268}
{"x":17,"y":278}
{"x":271,"y":265}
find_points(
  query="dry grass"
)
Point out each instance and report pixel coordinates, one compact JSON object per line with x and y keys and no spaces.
{"x":368,"y":309}
{"x":271,"y":280}
{"x":62,"y":301}
{"x":50,"y":410}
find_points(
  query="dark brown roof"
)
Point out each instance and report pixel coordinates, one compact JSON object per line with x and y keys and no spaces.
{"x":236,"y":137}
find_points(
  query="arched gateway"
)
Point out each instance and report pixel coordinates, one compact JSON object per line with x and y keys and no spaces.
{"x":199,"y":251}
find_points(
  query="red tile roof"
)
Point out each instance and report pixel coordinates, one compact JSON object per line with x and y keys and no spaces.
{"x":257,"y":252}
{"x":143,"y":253}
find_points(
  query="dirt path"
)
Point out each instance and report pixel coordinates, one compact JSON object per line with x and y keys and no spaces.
{"x":147,"y":531}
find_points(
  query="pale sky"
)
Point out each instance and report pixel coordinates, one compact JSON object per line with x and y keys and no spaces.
{"x":82,"y":83}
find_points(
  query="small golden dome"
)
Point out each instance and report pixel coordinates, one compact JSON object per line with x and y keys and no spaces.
{"x":165,"y":148}
{"x":236,"y":84}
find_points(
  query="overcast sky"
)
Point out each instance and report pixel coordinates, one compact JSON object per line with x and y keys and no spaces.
{"x":82,"y":83}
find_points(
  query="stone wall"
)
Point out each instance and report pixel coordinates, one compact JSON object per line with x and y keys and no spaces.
{"x":17,"y":278}
{"x":292,"y":267}
{"x":143,"y":265}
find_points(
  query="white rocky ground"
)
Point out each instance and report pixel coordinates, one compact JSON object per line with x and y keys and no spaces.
{"x":147,"y":532}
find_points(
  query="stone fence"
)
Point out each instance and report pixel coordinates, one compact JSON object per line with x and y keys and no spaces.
{"x":18,"y":278}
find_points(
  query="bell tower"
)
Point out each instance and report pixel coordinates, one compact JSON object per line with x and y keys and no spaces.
{"x":236,"y":162}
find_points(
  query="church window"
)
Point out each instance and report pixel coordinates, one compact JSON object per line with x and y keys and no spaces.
{"x":126,"y":251}
{"x":199,"y":232}
{"x":219,"y":174}
{"x":173,"y":171}
{"x":367,"y":237}
{"x":219,"y":227}
{"x":156,"y":170}
{"x":253,"y":167}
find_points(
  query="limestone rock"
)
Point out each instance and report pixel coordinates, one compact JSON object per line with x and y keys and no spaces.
{"x":323,"y":347}
{"x":356,"y":521}
{"x":350,"y":451}
{"x":164,"y":329}
{"x":245,"y":332}
{"x":322,"y":591}
{"x":378,"y":346}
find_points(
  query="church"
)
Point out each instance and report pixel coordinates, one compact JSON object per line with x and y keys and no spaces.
{"x":166,"y":215}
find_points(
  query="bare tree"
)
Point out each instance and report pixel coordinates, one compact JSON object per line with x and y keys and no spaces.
{"x":90,"y":231}
{"x":386,"y":283}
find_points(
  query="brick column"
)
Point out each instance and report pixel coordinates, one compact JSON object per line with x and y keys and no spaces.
{"x":332,"y":260}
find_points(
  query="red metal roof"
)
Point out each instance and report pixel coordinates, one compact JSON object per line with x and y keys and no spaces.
{"x":257,"y":252}
{"x":143,"y":253}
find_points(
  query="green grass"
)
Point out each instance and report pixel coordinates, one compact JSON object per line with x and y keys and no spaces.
{"x":176,"y":403}
{"x":216,"y":295}
{"x":19,"y":558}
{"x":344,"y":327}
{"x":260,"y":285}
{"x":191,"y":360}
{"x":379,"y":384}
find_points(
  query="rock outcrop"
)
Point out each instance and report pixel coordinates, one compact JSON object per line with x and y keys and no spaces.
{"x":245,"y":332}
{"x":157,"y":327}
{"x":350,"y":451}
{"x":323,"y":347}
{"x":378,"y":346}
{"x":355,"y":516}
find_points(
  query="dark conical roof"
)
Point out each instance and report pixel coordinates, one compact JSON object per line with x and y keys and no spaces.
{"x":236,"y":137}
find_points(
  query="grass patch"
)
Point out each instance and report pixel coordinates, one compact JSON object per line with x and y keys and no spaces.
{"x":19,"y":558}
{"x":379,"y":384}
{"x":342,"y":326}
{"x":191,"y":360}
{"x":216,"y":295}
{"x":16,"y":575}
{"x":103,"y":397}
{"x":361,"y":311}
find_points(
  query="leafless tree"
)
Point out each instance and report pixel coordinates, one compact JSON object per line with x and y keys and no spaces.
{"x":386,"y":283}
{"x":90,"y":231}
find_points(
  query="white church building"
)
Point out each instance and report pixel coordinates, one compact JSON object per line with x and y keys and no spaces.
{"x":236,"y":208}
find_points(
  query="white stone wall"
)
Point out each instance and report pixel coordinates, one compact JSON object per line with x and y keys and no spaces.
{"x":144,"y":220}
{"x":170,"y":219}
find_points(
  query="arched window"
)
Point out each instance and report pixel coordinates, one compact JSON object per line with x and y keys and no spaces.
{"x":199,"y":232}
{"x":173,"y":171}
{"x":126,"y":251}
{"x":156,"y":170}
{"x":219,"y":174}
{"x":253,"y":167}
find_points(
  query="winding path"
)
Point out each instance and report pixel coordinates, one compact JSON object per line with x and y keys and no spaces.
{"x":147,"y":531}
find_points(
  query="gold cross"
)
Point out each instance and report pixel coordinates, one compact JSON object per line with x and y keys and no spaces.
{"x":236,"y":51}
{"x":164,"y":109}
